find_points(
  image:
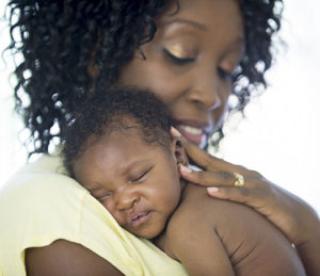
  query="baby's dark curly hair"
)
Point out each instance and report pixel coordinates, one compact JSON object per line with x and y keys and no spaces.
{"x":60,"y":39}
{"x":122,"y":109}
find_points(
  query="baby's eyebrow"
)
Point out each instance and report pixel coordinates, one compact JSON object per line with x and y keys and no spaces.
{"x":96,"y":191}
{"x":94,"y":187}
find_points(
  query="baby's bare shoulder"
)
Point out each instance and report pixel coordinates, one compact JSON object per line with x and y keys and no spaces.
{"x":196,"y":202}
{"x":249,"y":239}
{"x":198,"y":210}
{"x":233,"y":222}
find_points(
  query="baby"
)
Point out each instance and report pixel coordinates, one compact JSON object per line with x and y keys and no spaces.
{"x":119,"y":147}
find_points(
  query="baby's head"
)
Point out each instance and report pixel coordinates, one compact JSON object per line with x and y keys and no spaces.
{"x":119,"y":147}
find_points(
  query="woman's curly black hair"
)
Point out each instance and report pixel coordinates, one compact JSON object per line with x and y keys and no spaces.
{"x":60,"y":40}
{"x":116,"y":109}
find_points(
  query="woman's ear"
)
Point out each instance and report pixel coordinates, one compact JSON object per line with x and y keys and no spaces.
{"x":179,"y":152}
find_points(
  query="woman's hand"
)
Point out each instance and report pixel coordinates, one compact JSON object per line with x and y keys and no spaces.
{"x":294,"y":217}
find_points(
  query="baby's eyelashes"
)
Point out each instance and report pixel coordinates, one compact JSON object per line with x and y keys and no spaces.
{"x":105,"y":196}
{"x":139,"y":177}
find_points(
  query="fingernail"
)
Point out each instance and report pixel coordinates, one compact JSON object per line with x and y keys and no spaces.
{"x":175,"y":132}
{"x":212,"y":190}
{"x":185,"y":169}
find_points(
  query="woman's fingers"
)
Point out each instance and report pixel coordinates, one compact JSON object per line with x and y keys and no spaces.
{"x":241,"y":195}
{"x":244,"y":181}
{"x":208,"y":178}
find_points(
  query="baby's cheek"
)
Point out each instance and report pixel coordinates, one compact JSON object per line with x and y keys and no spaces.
{"x":118,"y":216}
{"x":173,"y":199}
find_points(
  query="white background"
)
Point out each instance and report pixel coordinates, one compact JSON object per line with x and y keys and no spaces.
{"x":280,"y":136}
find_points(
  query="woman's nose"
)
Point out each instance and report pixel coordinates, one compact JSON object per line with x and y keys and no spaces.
{"x":206,"y":91}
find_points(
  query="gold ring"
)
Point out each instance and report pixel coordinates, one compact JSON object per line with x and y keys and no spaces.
{"x":239,"y":182}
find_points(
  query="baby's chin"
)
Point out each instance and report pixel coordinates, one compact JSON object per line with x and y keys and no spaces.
{"x":148,"y":234}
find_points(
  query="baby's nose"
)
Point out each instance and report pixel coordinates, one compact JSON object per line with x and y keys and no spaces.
{"x":125,"y":200}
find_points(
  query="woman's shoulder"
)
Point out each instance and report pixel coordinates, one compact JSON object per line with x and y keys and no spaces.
{"x":44,"y":164}
{"x":45,"y":177}
{"x":38,"y":204}
{"x":40,"y":193}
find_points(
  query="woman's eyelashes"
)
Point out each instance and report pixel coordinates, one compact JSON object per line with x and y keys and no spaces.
{"x":178,"y":60}
{"x":186,"y":60}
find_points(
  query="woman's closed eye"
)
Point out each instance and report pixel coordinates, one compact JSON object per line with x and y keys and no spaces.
{"x":178,"y":60}
{"x":185,"y":60}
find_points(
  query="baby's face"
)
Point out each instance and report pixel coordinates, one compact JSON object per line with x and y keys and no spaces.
{"x":138,"y":183}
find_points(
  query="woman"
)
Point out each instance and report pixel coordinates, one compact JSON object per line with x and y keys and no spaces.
{"x":193,"y":55}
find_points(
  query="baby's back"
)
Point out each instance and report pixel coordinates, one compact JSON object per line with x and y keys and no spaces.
{"x":251,"y":245}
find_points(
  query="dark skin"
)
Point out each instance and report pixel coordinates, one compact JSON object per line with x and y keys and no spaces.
{"x":216,"y":237}
{"x":254,"y":194}
{"x":67,"y":258}
{"x":189,"y":63}
{"x":196,"y":93}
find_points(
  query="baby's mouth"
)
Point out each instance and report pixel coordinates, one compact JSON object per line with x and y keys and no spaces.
{"x":138,"y":218}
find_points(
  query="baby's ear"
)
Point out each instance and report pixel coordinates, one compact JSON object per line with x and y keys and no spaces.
{"x":180,"y":153}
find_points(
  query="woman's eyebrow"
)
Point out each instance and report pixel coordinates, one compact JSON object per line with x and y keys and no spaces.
{"x":192,"y":23}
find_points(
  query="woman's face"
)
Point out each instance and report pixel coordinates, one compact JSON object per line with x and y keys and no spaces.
{"x":189,"y":63}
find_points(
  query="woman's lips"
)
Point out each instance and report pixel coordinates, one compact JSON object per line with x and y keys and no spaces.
{"x":193,"y":134}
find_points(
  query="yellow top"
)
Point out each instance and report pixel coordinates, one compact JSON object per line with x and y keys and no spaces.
{"x":41,"y":204}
